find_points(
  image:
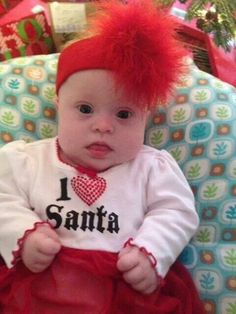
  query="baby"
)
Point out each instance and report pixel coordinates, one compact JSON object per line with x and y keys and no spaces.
{"x":96,"y":187}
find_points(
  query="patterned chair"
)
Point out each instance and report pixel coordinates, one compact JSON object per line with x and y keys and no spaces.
{"x":197,"y":128}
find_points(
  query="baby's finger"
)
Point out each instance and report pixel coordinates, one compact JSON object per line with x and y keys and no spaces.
{"x":144,"y":287}
{"x":42,"y":258}
{"x":134,"y":276}
{"x":48,"y":246}
{"x":38,"y":267}
{"x":126,"y":262}
{"x":49,"y":232}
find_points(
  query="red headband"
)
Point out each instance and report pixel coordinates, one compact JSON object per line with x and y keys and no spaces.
{"x":135,"y":41}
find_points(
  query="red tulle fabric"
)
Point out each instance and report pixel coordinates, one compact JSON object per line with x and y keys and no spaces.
{"x":87,"y":282}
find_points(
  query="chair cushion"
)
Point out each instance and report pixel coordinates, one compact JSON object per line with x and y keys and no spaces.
{"x":198,"y":128}
{"x":27,"y":98}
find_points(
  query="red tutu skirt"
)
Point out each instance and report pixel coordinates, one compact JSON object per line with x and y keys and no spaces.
{"x":88,"y":282}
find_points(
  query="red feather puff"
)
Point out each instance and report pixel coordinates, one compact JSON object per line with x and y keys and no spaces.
{"x":137,"y":42}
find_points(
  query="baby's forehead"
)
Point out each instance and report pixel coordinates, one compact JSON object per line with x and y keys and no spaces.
{"x":94,"y":82}
{"x":99,"y":86}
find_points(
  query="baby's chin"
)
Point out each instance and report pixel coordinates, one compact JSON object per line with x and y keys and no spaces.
{"x":101,"y":166}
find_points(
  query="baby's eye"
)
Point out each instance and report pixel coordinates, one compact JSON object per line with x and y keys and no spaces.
{"x":85,"y":108}
{"x":124,"y":114}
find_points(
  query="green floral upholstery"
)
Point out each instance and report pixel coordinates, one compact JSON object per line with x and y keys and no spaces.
{"x":197,"y":128}
{"x":27,"y":97}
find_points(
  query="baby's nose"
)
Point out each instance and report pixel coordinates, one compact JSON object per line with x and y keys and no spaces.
{"x":103,"y":124}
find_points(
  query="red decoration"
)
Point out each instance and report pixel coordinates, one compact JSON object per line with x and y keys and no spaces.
{"x":137,"y":42}
{"x":29,"y":36}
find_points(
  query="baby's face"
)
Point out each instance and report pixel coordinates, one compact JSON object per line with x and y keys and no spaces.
{"x":98,"y":127}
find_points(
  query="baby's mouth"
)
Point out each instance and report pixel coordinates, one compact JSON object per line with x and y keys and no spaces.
{"x":99,"y":149}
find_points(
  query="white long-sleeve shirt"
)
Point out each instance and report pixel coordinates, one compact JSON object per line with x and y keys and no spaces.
{"x":147,"y":199}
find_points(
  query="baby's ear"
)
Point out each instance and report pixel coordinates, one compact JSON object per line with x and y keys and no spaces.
{"x":149,"y":115}
{"x":57,"y":102}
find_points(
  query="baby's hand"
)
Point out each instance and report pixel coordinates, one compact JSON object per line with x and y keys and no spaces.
{"x":137,"y":270}
{"x":40,"y":248}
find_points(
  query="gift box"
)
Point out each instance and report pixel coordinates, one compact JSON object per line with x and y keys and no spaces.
{"x":2,"y":9}
{"x":28,"y":36}
{"x":68,"y":20}
{"x":5,"y":5}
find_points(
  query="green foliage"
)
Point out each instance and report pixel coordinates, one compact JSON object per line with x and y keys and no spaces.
{"x":210,"y":191}
{"x":222,"y":112}
{"x":234,"y":171}
{"x":215,"y":17}
{"x":230,"y":257}
{"x":203,"y":236}
{"x":157,"y":138}
{"x":8,"y":118}
{"x":231,"y":309}
{"x":219,"y":84}
{"x":194,"y":171}
{"x":201,"y":96}
{"x":46,"y":131}
{"x":49,"y":93}
{"x":29,"y":106}
{"x":176,"y":153}
{"x":179,"y":115}
{"x":220,"y":22}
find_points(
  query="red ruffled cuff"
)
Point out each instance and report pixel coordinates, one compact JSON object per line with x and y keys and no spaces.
{"x":151,"y":258}
{"x":17,"y":253}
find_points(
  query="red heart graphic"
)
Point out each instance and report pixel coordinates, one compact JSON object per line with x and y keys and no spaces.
{"x":88,"y":189}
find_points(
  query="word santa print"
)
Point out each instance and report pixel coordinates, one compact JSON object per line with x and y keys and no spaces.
{"x":100,"y":220}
